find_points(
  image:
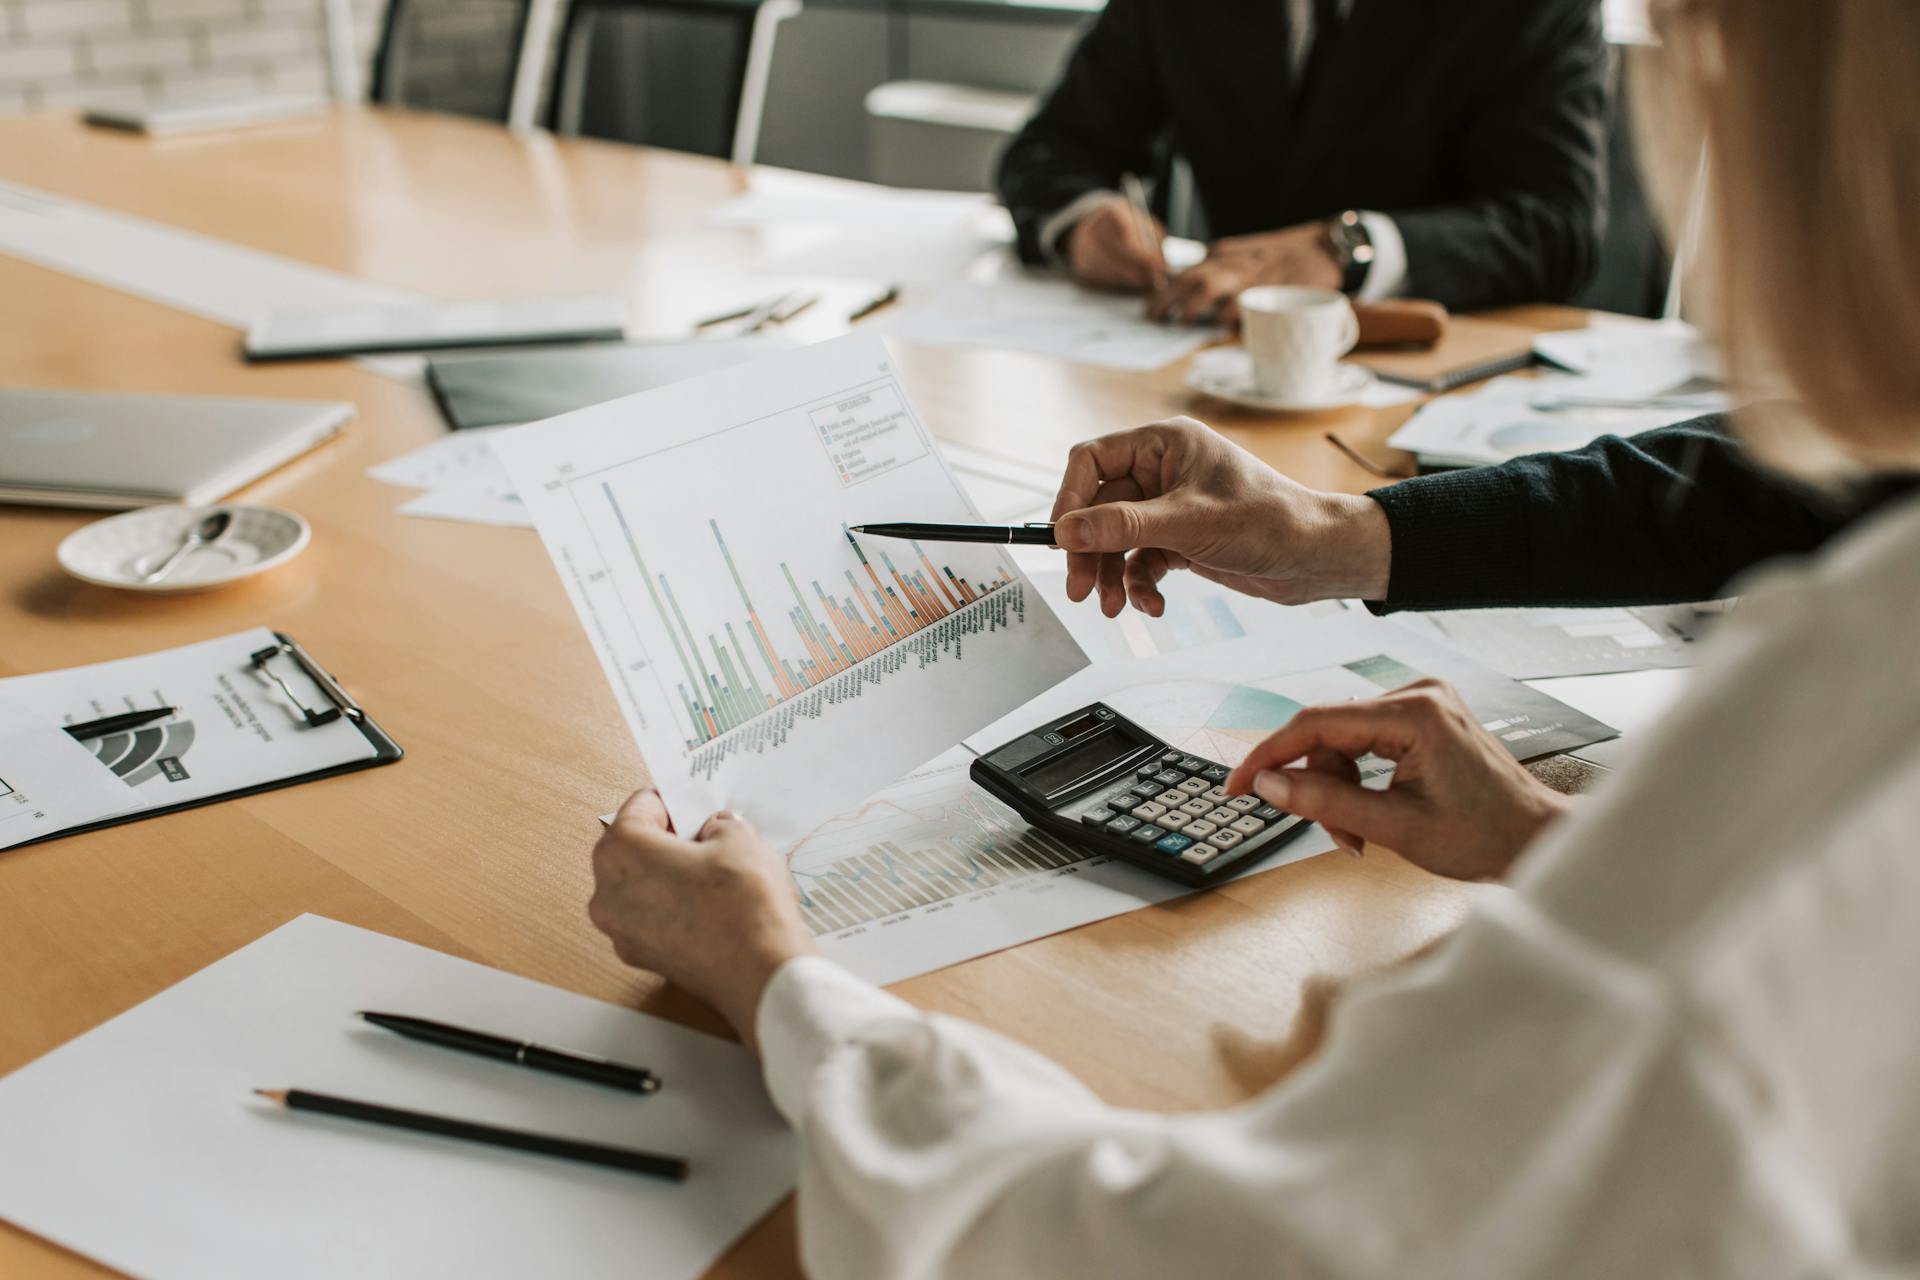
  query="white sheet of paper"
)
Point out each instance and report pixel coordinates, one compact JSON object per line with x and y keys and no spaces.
{"x":1197,"y":613}
{"x":764,"y":658}
{"x":233,"y":728}
{"x":1005,"y":490}
{"x":491,"y":502}
{"x":222,"y":281}
{"x":140,"y":1145}
{"x":459,"y":457}
{"x":1047,"y":316}
{"x":48,"y":781}
{"x":1499,"y":421}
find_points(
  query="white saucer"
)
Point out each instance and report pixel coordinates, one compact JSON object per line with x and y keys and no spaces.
{"x":115,"y":551}
{"x":1226,"y":373}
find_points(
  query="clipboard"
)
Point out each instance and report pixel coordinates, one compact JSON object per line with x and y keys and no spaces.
{"x":337,"y":706}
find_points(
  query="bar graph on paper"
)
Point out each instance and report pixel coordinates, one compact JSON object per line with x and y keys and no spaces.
{"x":929,"y":840}
{"x":765,"y":658}
{"x":744,"y":671}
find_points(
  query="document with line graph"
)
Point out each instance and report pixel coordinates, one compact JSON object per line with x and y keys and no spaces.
{"x":765,"y":658}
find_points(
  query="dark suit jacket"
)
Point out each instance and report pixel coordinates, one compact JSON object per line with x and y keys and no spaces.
{"x":1476,"y":124}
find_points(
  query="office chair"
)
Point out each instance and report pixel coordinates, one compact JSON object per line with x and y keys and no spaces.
{"x":689,"y":75}
{"x":457,"y":56}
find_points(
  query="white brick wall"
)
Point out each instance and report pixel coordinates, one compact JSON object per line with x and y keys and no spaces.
{"x":60,"y":54}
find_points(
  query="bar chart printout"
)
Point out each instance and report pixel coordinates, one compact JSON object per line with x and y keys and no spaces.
{"x":766,"y":658}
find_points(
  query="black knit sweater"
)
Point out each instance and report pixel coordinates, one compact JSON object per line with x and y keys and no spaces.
{"x":1667,"y":516}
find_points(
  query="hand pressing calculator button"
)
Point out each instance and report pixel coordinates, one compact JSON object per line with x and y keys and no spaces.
{"x":1097,"y":781}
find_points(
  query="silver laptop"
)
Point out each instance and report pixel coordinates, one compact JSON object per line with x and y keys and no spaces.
{"x":89,"y":449}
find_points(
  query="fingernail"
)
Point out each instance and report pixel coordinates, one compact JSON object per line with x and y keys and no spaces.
{"x":1273,"y":786}
{"x":1075,"y":533}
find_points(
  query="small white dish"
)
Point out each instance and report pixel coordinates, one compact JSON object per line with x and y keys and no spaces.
{"x":1226,"y":373}
{"x":115,"y":552}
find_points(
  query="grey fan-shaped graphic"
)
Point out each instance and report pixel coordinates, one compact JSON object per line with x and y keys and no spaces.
{"x":135,"y":756}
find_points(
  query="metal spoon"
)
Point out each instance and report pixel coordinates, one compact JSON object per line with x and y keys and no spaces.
{"x":204,"y":534}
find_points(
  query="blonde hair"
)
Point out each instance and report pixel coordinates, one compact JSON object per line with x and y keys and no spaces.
{"x":1810,"y":110}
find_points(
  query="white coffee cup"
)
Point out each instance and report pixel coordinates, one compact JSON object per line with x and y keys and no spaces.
{"x":1295,"y":337}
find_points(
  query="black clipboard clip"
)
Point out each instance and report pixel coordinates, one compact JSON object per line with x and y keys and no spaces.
{"x":343,"y":705}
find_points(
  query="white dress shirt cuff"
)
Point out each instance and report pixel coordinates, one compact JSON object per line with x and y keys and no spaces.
{"x":1060,"y":223}
{"x":1387,"y":278}
{"x":810,"y":1007}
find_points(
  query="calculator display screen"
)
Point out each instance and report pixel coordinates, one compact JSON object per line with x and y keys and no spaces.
{"x":1078,"y":762}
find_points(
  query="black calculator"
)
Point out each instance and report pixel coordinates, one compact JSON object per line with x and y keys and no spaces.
{"x":1098,"y":780}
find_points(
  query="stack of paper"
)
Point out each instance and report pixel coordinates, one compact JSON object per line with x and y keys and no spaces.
{"x":1513,"y":416}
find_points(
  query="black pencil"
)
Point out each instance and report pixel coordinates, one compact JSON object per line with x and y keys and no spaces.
{"x":118,"y":723}
{"x":1030,"y":535}
{"x":487,"y":1135}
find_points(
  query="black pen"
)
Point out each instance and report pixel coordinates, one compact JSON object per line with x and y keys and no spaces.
{"x":1031,"y":534}
{"x":119,"y":723}
{"x":487,"y":1135}
{"x":525,"y":1053}
{"x":879,"y":300}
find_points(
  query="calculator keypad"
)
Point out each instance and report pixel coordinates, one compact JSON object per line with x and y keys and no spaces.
{"x":1176,"y":805}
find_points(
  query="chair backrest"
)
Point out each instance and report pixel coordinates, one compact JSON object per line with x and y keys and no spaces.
{"x":1634,"y":258}
{"x":457,"y":56}
{"x":689,"y":75}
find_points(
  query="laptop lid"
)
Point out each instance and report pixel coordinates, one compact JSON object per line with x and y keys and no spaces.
{"x":93,"y":449}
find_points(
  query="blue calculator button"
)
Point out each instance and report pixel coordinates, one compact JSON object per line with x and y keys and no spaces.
{"x":1267,"y":813}
{"x":1122,"y":824}
{"x":1173,"y":842}
{"x":1148,"y":834}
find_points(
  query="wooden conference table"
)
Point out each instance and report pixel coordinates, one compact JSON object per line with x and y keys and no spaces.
{"x":459,"y":638}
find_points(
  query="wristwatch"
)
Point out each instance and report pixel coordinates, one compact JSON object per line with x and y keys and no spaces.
{"x":1351,"y":247}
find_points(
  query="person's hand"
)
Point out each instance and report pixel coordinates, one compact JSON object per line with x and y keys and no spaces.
{"x":716,"y":914}
{"x":1135,"y":505}
{"x":1209,"y":292}
{"x":1458,"y":803}
{"x":1107,"y":249}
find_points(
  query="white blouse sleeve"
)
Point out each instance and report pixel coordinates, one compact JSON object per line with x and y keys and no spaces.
{"x":1459,"y":1110}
